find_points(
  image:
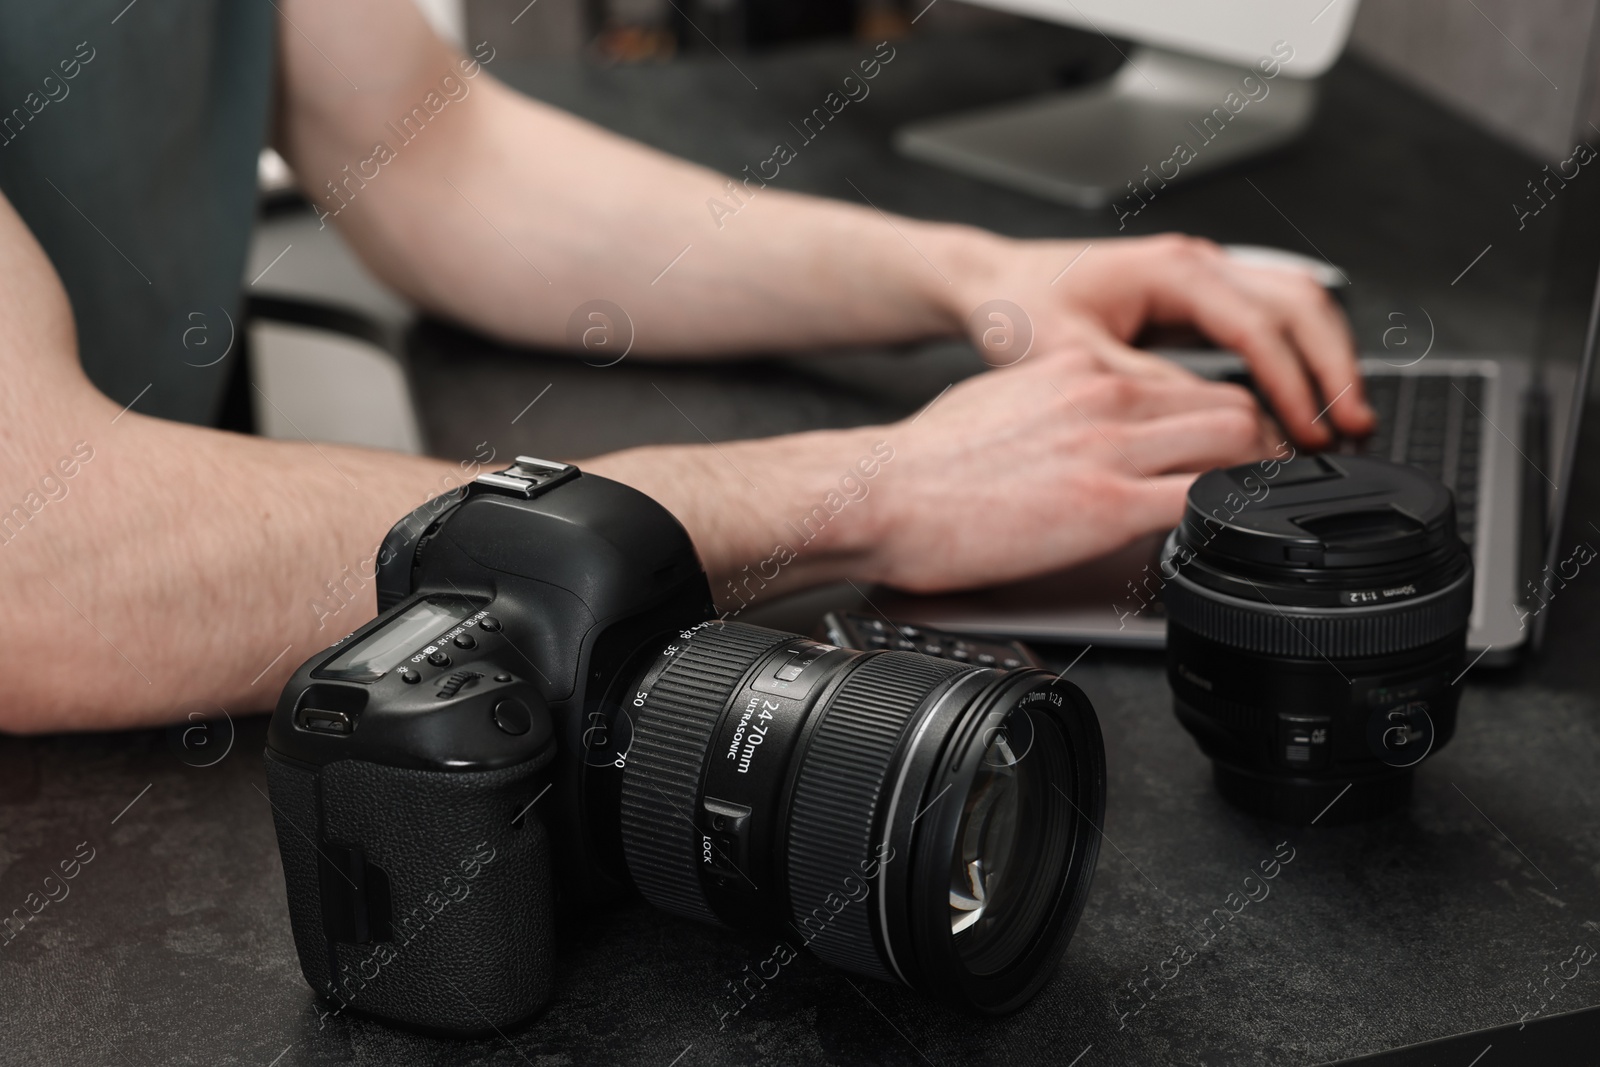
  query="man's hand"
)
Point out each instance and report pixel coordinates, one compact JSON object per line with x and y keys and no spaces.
{"x":1283,"y":323}
{"x":1043,"y":466}
{"x":1019,"y":471}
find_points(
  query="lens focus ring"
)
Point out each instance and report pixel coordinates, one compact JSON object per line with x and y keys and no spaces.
{"x":671,"y":742}
{"x":840,"y":789}
{"x":1324,"y":632}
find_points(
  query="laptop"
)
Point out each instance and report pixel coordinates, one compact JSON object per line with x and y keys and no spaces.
{"x":1500,"y":430}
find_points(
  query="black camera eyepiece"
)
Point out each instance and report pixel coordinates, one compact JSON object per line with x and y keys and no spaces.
{"x":1317,"y":614}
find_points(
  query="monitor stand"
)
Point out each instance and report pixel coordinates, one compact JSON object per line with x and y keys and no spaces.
{"x":1162,"y":117}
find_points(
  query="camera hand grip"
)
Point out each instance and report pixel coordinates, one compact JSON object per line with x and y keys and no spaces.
{"x":421,"y":897}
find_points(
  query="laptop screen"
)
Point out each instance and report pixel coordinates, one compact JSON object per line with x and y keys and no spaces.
{"x":1569,"y":323}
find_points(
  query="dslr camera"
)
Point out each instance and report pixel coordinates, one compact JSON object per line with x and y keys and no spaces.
{"x":547,"y":714}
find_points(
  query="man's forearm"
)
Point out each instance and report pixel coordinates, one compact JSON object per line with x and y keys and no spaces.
{"x":510,"y":214}
{"x":181,"y":568}
{"x":188,"y":570}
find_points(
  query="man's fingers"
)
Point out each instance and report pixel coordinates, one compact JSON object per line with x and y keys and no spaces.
{"x":1190,"y":441}
{"x":1117,"y":397}
{"x":1235,"y":321}
{"x":1322,"y":336}
{"x":1105,"y":353}
{"x":1125,"y":359}
{"x":1154,"y":503}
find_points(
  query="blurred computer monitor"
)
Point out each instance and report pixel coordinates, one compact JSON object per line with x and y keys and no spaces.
{"x":1204,"y":83}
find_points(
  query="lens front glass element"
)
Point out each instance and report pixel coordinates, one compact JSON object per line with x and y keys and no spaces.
{"x":1010,"y":843}
{"x":985,"y":840}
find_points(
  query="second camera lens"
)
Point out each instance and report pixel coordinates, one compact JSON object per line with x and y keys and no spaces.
{"x":1317,"y":617}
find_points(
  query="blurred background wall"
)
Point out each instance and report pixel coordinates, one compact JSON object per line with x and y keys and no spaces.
{"x":1522,"y":68}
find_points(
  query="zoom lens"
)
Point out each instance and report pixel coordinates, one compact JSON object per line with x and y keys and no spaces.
{"x":904,"y":817}
{"x":1317,"y":616}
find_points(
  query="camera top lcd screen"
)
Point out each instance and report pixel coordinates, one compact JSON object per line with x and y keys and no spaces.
{"x":383,"y":649}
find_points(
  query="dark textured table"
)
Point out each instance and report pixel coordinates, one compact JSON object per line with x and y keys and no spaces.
{"x":171,"y":944}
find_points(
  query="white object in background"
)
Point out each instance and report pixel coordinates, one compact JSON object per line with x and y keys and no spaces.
{"x":1235,"y":32}
{"x":1322,"y":272}
{"x":1202,"y":67}
{"x":272,"y":173}
{"x":448,"y":19}
{"x":317,"y":384}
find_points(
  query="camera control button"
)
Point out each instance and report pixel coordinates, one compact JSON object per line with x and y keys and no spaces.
{"x":439,"y":659}
{"x":458,"y":681}
{"x":409,"y":676}
{"x":502,"y":677}
{"x":725,"y":830}
{"x":489,"y":624}
{"x":513,"y":716}
{"x":464,"y":641}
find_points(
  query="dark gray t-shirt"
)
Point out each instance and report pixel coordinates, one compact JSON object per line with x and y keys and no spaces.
{"x":128,"y":142}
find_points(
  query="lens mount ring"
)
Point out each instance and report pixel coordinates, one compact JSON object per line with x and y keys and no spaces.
{"x":675,"y":719}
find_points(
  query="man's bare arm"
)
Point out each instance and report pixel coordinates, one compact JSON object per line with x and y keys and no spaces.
{"x":507,"y":213}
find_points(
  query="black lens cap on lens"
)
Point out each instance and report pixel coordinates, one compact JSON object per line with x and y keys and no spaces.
{"x":1318,"y":512}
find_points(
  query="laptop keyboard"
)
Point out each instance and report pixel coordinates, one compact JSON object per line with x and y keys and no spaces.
{"x":1435,"y":422}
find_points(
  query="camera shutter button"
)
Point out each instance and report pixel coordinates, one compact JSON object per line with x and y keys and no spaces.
{"x":513,"y":716}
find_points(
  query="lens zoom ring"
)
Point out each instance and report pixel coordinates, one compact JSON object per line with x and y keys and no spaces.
{"x":1360,"y":632}
{"x":842,"y":782}
{"x":671,"y":739}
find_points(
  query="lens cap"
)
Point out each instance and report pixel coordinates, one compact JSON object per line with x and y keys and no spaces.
{"x":1319,"y":512}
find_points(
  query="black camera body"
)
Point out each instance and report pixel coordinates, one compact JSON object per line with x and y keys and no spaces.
{"x":547,"y":709}
{"x":413,"y":767}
